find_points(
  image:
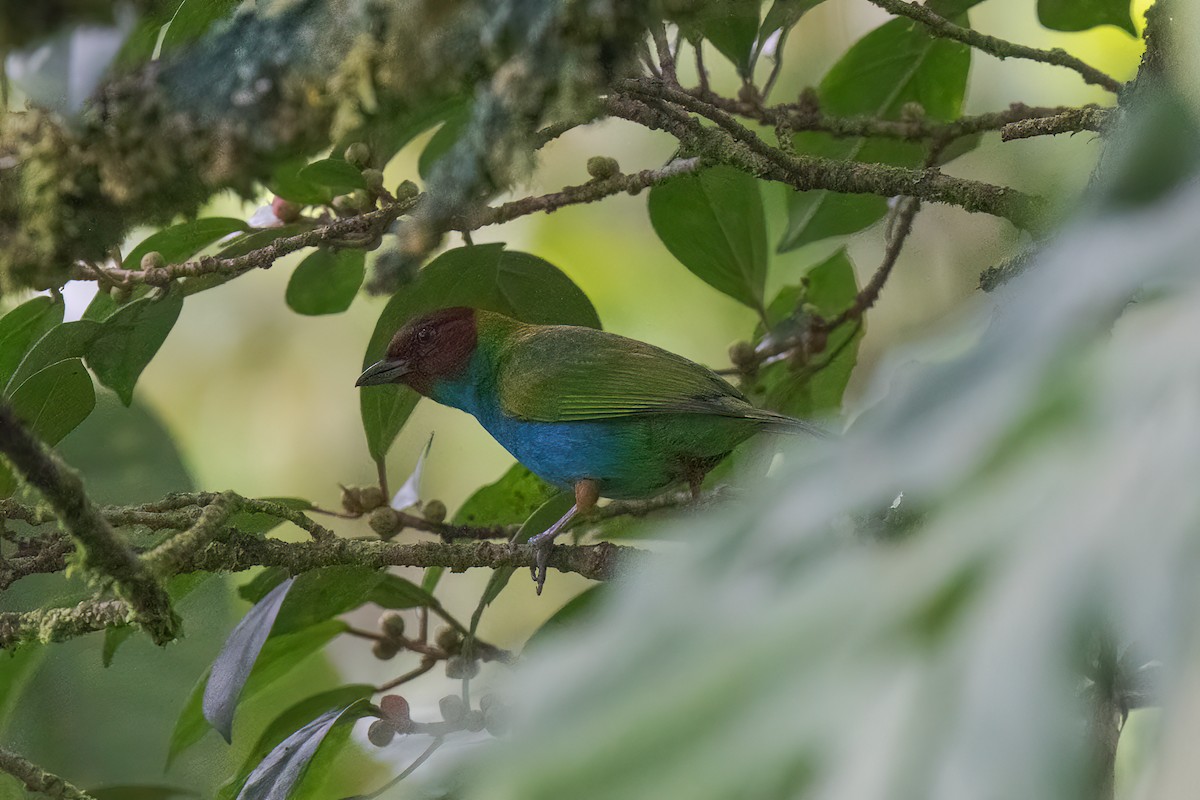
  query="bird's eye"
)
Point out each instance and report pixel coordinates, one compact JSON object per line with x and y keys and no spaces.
{"x":424,"y":335}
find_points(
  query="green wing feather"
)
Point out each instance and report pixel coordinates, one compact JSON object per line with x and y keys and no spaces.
{"x":560,"y":373}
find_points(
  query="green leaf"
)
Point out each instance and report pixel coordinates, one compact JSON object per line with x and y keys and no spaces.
{"x":392,"y":591}
{"x":287,"y":183}
{"x":229,"y":672}
{"x":177,"y":243}
{"x":547,"y":514}
{"x":23,"y":326}
{"x":895,"y":64}
{"x":511,"y":499}
{"x":278,"y":656}
{"x":129,"y":339}
{"x":1080,"y":15}
{"x":191,"y":20}
{"x":281,"y":771}
{"x":69,"y":340}
{"x":714,"y":223}
{"x":326,"y":282}
{"x":336,"y":173}
{"x":731,"y":26}
{"x":387,"y":136}
{"x":290,"y":721}
{"x":568,"y":616}
{"x":53,"y":401}
{"x":445,"y":138}
{"x":816,"y":389}
{"x":257,"y":587}
{"x":783,"y":14}
{"x":324,"y":593}
{"x":484,"y":276}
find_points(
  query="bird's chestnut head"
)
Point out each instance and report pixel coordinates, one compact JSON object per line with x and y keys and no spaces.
{"x":436,"y":345}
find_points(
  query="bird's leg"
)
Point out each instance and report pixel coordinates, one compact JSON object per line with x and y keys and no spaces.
{"x":587,"y":492}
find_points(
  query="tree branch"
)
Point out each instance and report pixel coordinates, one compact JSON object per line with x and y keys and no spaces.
{"x":234,"y":551}
{"x":1088,"y":118}
{"x":940,"y":26}
{"x":37,"y":779}
{"x":731,"y":143}
{"x":103,"y":551}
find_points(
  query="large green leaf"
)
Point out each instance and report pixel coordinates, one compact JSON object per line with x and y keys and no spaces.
{"x":23,"y":326}
{"x":191,"y":20}
{"x":229,"y":672}
{"x":445,"y":138}
{"x":816,"y":388}
{"x":279,"y":655}
{"x":895,"y":64}
{"x":290,"y":721}
{"x":277,"y":775}
{"x":714,"y":223}
{"x":323,"y":593}
{"x":53,"y":401}
{"x":1079,"y":15}
{"x":731,"y":26}
{"x":326,"y":282}
{"x":130,"y":338}
{"x":484,"y":276}
{"x":508,"y":501}
{"x":69,"y":340}
{"x":336,"y":173}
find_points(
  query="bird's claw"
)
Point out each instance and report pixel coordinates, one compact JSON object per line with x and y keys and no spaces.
{"x":541,"y":561}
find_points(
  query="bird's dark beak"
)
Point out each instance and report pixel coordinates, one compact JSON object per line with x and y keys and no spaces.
{"x":381,"y":372}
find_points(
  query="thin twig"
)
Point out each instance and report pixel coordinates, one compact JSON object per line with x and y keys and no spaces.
{"x":1075,"y":120}
{"x":421,"y":759}
{"x":426,"y":665}
{"x":1000,"y":48}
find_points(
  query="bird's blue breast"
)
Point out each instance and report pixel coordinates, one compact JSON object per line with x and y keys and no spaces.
{"x":560,"y":453}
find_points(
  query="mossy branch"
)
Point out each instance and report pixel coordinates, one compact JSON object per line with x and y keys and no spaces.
{"x":233,"y":551}
{"x":39,"y":780}
{"x":103,"y":552}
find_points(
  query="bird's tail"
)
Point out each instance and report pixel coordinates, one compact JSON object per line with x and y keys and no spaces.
{"x":781,"y":423}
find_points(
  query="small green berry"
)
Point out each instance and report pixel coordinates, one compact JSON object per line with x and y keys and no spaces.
{"x":385,"y":521}
{"x":458,"y":667}
{"x":741,"y":353}
{"x":373,"y":178}
{"x":381,"y":733}
{"x":153,"y":260}
{"x":601,"y":167}
{"x":385,"y":649}
{"x":357,"y":154}
{"x":121,"y":294}
{"x":434,"y":511}
{"x":448,"y":639}
{"x":407,"y":190}
{"x":371,"y":498}
{"x":352,"y":500}
{"x":391,"y":623}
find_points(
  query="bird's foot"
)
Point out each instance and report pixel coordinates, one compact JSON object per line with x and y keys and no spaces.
{"x":541,"y":559}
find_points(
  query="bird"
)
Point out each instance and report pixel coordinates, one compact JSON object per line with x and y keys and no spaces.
{"x":588,"y":411}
